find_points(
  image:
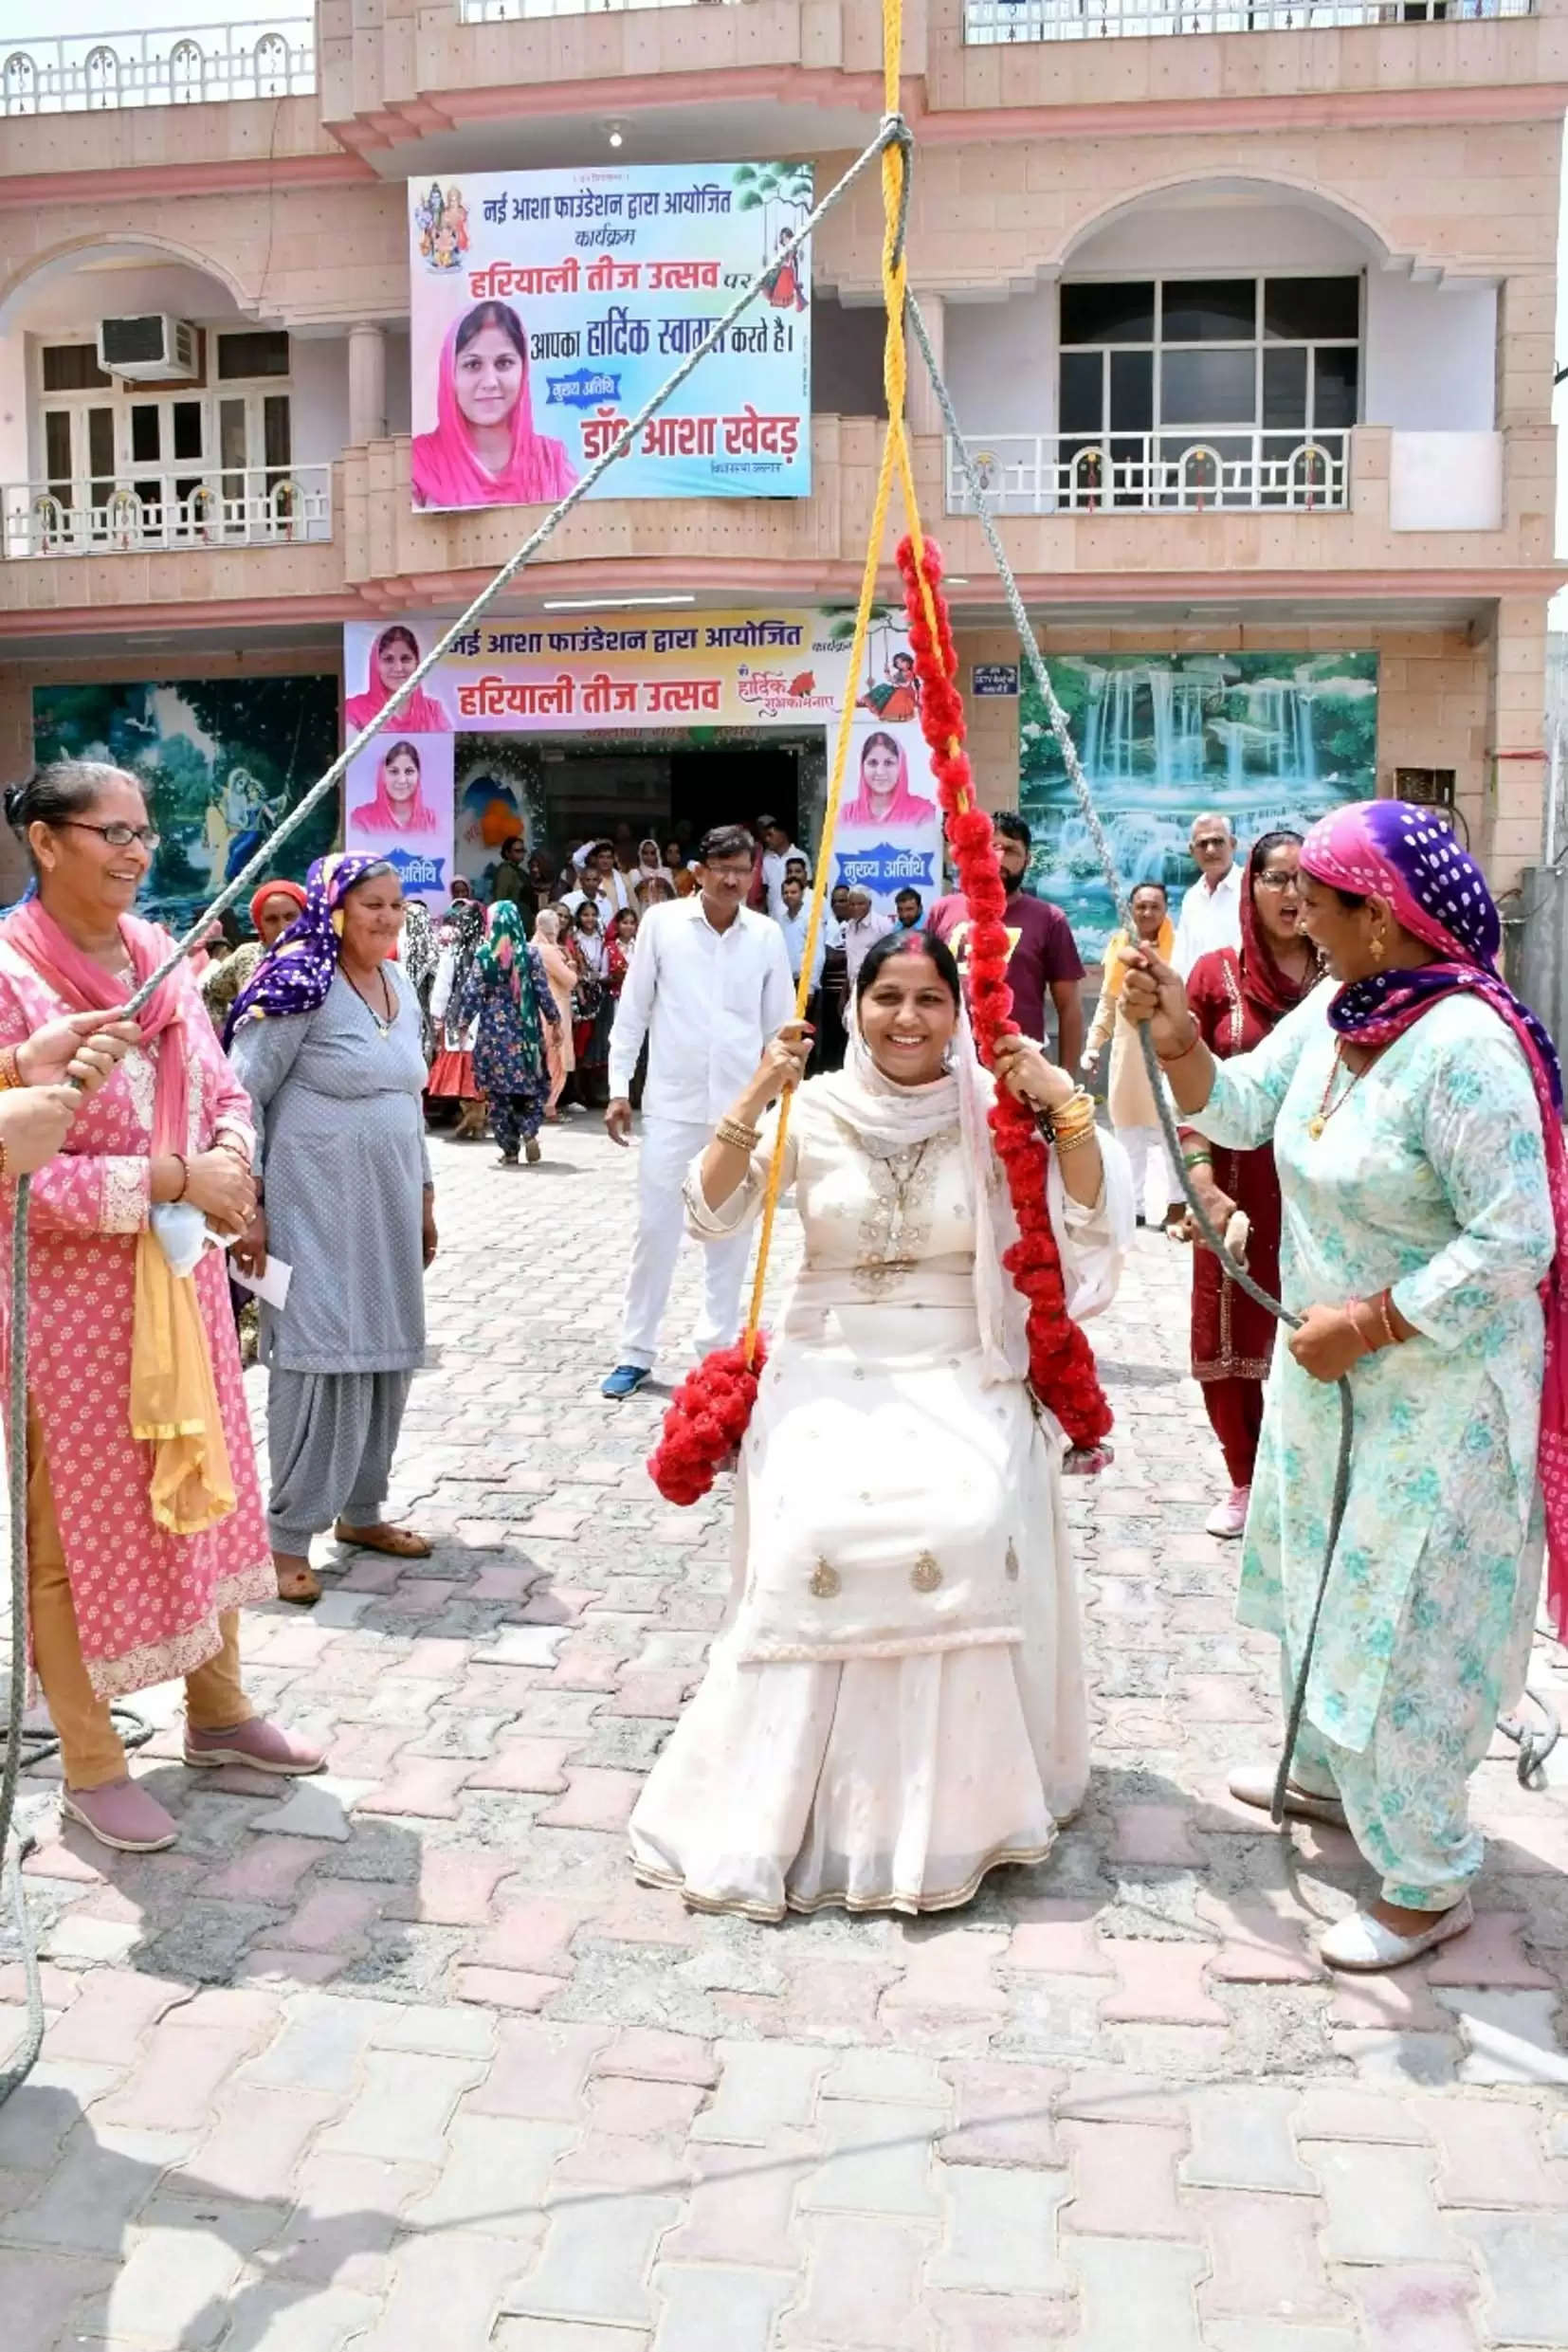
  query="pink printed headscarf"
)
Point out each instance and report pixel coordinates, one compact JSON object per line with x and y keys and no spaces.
{"x":447,"y":470}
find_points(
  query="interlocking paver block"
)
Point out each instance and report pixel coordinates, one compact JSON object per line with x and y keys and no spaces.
{"x":1001,"y":2231}
{"x":102,"y":2180}
{"x":1267,"y":2256}
{"x":172,"y":2289}
{"x":863,"y":2288}
{"x":446,"y":2290}
{"x":1005,"y":2114}
{"x":741,"y":2206}
{"x":1417,"y":2309}
{"x":1525,"y":2260}
{"x":764,"y":2088}
{"x":718,"y":2310}
{"x":404,"y":2109}
{"x":1241,"y":2140}
{"x":540,"y":2071}
{"x":1382,"y":2205}
{"x":256,"y":2141}
{"x":1137,"y":2293}
{"x":38,"y":2293}
{"x":323,"y":2041}
{"x":655,"y":2056}
{"x":1124,"y":2180}
{"x":1492,"y":2154}
{"x":494,"y":2177}
{"x":597,"y":2257}
{"x":879,"y":2160}
{"x":1161,"y":1983}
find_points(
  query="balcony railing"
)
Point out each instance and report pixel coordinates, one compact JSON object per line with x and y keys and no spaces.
{"x":513,"y":11}
{"x":135,"y":514}
{"x":1196,"y":471}
{"x":179,"y":66}
{"x":987,"y":21}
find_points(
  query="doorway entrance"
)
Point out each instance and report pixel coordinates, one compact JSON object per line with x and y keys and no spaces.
{"x":732,"y":784}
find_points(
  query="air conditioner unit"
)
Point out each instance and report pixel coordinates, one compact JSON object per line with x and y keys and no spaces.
{"x":151,"y":349}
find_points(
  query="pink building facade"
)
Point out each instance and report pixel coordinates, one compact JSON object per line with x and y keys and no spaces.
{"x":1247,"y":311}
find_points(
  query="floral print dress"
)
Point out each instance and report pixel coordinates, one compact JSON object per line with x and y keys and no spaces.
{"x":1427,"y":1177}
{"x":511,"y":1062}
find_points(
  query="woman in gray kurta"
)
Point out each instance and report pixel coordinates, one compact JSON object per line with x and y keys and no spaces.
{"x":348,"y":1205}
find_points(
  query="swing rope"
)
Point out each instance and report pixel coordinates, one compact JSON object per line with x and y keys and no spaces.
{"x":892,"y":134}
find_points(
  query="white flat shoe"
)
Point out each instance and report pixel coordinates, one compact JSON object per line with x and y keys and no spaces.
{"x":1253,"y":1784}
{"x":1364,"y":1947}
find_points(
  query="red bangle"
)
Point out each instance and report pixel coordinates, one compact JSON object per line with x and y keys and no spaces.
{"x":1168,"y":1060}
{"x":185,"y":1175}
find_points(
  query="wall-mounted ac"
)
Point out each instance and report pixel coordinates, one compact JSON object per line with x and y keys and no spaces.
{"x":149,"y":350}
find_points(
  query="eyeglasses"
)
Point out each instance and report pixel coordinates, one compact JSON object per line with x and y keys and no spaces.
{"x":1211,"y":841}
{"x":1274,"y":877}
{"x":118,"y":836}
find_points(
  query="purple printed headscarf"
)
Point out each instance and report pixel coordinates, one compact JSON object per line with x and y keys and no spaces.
{"x":1391,"y":850}
{"x":297,"y":973}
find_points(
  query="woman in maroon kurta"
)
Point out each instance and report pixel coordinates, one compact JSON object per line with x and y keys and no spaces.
{"x":1236,"y":997}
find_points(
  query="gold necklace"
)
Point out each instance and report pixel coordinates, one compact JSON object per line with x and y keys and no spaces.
{"x":1326,"y":1109}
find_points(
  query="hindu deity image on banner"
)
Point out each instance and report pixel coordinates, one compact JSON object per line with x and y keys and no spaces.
{"x":546,"y":306}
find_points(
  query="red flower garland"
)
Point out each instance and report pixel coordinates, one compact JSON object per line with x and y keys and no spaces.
{"x":708,"y":1416}
{"x":705,"y":1422}
{"x":1061,"y":1361}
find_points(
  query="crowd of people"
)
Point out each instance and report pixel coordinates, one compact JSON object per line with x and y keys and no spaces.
{"x":896,"y":1704}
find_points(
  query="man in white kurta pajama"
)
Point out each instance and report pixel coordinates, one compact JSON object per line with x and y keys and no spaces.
{"x":708,"y":985}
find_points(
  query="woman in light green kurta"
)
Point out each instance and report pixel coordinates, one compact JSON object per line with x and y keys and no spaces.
{"x":1407,"y":1123}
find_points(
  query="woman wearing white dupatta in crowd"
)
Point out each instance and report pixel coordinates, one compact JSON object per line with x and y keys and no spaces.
{"x":895,"y":1703}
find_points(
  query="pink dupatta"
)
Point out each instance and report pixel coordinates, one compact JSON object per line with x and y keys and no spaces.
{"x":174,"y":1397}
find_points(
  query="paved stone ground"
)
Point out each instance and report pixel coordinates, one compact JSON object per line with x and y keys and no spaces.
{"x":403,"y":2059}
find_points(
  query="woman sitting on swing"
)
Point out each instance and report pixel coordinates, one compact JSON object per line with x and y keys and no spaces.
{"x":896,"y":1705}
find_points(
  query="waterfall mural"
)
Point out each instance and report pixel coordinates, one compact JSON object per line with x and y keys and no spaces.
{"x":1270,"y":739}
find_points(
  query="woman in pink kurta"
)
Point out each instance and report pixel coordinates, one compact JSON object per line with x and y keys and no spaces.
{"x":119,"y":1600}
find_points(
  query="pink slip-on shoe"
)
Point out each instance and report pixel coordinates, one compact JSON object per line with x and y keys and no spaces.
{"x":1230,"y":1517}
{"x":122,"y":1816}
{"x":265,"y":1747}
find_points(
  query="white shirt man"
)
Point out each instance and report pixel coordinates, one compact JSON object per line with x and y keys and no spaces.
{"x":863,"y":931}
{"x":793,"y":919}
{"x":778,"y":849}
{"x":1210,"y":911}
{"x":709,"y":986}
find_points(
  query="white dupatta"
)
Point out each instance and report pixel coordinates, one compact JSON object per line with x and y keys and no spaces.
{"x":887,"y":1118}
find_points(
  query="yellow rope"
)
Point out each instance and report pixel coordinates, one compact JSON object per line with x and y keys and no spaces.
{"x":894,"y":459}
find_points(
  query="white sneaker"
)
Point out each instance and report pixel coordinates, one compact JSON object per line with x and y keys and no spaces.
{"x":1364,"y":1947}
{"x":1230,"y":1517}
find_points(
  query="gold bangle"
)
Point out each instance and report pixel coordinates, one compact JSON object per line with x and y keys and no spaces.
{"x":4,"y":1163}
{"x":740,"y":1139}
{"x":1080,"y":1136}
{"x":11,"y":1073}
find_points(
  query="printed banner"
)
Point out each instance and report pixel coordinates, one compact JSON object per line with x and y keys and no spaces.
{"x":888,"y":840}
{"x":398,"y":798}
{"x":546,"y":307}
{"x":580,"y":676}
{"x":663,"y":673}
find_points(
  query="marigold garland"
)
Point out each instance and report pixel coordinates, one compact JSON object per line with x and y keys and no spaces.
{"x":1061,"y":1361}
{"x":710,"y":1411}
{"x":706,"y":1420}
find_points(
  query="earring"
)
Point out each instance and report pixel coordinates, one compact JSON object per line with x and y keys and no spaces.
{"x":1380,"y":947}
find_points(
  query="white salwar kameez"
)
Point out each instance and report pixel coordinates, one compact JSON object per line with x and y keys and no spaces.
{"x":895,"y":1703}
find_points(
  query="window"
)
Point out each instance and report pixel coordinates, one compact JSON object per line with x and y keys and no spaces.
{"x":73,"y":367}
{"x":1184,"y":392}
{"x":252,"y":353}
